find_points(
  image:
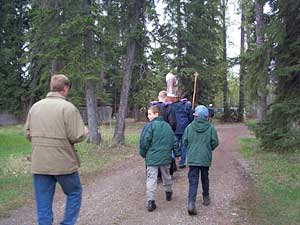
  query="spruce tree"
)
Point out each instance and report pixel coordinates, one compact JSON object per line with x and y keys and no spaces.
{"x":13,"y":25}
{"x":135,"y":13}
{"x":281,"y":129}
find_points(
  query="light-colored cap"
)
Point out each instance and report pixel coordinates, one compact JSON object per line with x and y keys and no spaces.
{"x":201,"y":111}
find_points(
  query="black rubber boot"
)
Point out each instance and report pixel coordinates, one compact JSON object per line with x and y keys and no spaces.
{"x":169,"y":195}
{"x":151,"y":205}
{"x":192,"y":209}
{"x":206,"y":200}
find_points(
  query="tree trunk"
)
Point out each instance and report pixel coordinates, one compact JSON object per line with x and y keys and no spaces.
{"x":33,"y":84}
{"x":225,"y":82}
{"x":242,"y":66}
{"x":94,"y":135}
{"x":135,"y":112}
{"x":55,"y":67}
{"x":101,"y":82}
{"x":262,"y":95}
{"x":136,"y":11}
{"x":179,"y":43}
{"x":120,"y":125}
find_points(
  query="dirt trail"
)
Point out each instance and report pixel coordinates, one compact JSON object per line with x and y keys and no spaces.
{"x":117,"y":196}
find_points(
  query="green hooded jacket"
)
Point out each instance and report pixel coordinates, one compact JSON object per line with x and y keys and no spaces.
{"x":157,"y":142}
{"x":200,"y":139}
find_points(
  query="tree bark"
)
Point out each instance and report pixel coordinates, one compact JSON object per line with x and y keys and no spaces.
{"x":34,"y":82}
{"x":225,"y":82}
{"x":242,"y":66}
{"x":179,"y":43}
{"x":94,"y":135}
{"x":55,"y":67}
{"x":262,"y":94}
{"x":135,"y":112}
{"x":136,"y":10}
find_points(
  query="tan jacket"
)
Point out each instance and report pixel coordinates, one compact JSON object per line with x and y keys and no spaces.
{"x":53,"y":126}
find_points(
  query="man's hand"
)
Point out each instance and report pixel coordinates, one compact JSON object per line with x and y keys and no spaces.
{"x":86,"y":131}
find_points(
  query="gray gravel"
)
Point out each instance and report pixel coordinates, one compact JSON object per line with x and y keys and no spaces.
{"x":117,"y":196}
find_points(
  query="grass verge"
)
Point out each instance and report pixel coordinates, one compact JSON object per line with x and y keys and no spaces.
{"x":15,"y":178}
{"x":275,"y":198}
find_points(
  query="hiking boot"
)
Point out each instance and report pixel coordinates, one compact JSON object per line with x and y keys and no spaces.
{"x":192,"y":209}
{"x":151,"y":205}
{"x":169,"y":195}
{"x":159,"y":180}
{"x":206,"y":200}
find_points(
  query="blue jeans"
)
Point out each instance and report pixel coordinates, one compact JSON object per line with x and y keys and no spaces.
{"x":182,"y":150}
{"x":193,"y":176}
{"x":44,"y":188}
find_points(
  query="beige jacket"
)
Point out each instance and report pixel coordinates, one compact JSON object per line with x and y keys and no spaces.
{"x":53,"y":126}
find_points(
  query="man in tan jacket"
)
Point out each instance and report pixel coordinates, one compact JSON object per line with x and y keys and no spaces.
{"x":53,"y":126}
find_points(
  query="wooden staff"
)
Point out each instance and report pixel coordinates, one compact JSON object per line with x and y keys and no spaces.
{"x":196,"y":74}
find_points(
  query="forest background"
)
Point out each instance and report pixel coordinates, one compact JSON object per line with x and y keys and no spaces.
{"x":117,"y":53}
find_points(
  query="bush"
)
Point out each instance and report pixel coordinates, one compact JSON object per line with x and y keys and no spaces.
{"x":251,"y":124}
{"x":280,"y":131}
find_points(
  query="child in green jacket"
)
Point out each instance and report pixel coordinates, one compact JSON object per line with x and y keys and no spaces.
{"x":156,"y":145}
{"x":200,"y":139}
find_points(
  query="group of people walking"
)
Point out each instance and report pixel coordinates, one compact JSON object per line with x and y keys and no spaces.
{"x":54,"y":125}
{"x":174,"y":130}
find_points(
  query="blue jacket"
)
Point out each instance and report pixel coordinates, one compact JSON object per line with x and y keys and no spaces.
{"x":183,"y":113}
{"x":166,"y":112}
{"x":211,"y":111}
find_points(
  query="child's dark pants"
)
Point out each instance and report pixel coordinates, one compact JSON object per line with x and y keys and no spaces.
{"x":193,"y":176}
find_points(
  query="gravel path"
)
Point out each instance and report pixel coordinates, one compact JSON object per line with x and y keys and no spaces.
{"x":117,"y":196}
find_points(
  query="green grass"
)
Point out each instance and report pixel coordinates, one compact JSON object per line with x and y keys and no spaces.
{"x":15,"y":177}
{"x":15,"y":191}
{"x":275,"y":198}
{"x":252,"y":124}
{"x":13,"y":141}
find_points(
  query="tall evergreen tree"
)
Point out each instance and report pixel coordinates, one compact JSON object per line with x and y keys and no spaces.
{"x":110,"y":50}
{"x":61,"y":41}
{"x":135,"y":13}
{"x":88,"y":55}
{"x":225,"y":63}
{"x":242,"y":65}
{"x":13,"y":25}
{"x":46,"y":40}
{"x":192,"y":42}
{"x":281,"y":129}
{"x":262,"y":94}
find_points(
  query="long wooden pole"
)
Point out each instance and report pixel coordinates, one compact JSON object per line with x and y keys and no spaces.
{"x":196,"y":74}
